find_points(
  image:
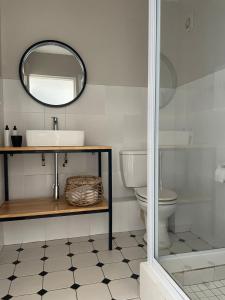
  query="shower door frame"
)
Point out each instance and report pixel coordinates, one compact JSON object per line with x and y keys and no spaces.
{"x":153,"y":132}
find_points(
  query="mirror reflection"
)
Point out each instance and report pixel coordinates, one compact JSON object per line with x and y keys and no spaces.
{"x":168,"y":81}
{"x":52,"y":73}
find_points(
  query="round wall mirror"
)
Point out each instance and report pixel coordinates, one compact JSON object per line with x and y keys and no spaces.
{"x":52,"y":73}
{"x":168,"y":81}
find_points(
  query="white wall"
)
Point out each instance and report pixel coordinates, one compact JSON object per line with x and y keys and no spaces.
{"x":199,"y":52}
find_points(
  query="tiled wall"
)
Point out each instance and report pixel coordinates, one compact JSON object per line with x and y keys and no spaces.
{"x":111,"y":115}
{"x":195,"y":268}
{"x":199,"y":107}
{"x":206,"y":115}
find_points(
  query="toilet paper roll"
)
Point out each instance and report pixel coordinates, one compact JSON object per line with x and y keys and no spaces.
{"x":220,"y":174}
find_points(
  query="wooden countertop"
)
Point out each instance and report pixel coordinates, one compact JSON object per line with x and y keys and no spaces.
{"x":53,"y":148}
{"x":44,"y":207}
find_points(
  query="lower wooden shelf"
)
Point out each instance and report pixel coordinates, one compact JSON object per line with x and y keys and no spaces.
{"x":43,"y":208}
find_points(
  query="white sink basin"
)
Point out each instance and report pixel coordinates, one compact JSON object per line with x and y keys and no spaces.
{"x":55,"y":138}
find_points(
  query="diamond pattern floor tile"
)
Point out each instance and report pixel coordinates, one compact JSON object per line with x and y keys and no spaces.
{"x":4,"y":287}
{"x":57,"y":251}
{"x":133,"y":253}
{"x":116,"y":270}
{"x":29,"y":268}
{"x":67,"y":294}
{"x":124,"y":289}
{"x":110,"y":256}
{"x":84,"y":260}
{"x":102,"y":244}
{"x":135,"y":265}
{"x":97,"y":291}
{"x":89,"y":275}
{"x":28,"y":297}
{"x":25,"y":285}
{"x":6,"y":270}
{"x":58,"y":280}
{"x":81,"y":247}
{"x":126,"y":241}
{"x":56,"y":264}
{"x":31,"y":253}
{"x":7,"y":257}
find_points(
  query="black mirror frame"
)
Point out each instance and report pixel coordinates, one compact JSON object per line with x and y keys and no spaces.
{"x":60,"y":44}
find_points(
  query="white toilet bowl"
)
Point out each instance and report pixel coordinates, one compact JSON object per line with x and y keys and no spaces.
{"x":167,"y":207}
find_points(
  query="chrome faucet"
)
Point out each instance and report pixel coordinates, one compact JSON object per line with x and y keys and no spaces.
{"x":56,"y":184}
{"x":55,"y":123}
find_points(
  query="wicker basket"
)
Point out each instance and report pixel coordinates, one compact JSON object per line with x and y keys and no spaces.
{"x":83,"y":190}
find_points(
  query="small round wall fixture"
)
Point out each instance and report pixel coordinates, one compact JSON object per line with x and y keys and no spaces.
{"x":52,"y":73}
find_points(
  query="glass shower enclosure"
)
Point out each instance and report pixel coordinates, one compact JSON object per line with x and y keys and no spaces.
{"x":190,"y":168}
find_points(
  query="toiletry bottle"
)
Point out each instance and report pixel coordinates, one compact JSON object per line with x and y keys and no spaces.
{"x":14,"y":132}
{"x":7,"y":136}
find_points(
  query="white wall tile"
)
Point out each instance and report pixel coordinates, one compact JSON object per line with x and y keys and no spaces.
{"x":135,"y":130}
{"x":38,"y":186}
{"x":48,"y":122}
{"x":32,"y":164}
{"x":54,"y":110}
{"x":130,"y":100}
{"x":16,"y":183}
{"x":135,"y":220}
{"x":199,"y":107}
{"x":17,"y":100}
{"x":93,"y":101}
{"x":16,"y":164}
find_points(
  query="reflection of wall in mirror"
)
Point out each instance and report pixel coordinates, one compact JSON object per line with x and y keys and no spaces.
{"x":53,"y":65}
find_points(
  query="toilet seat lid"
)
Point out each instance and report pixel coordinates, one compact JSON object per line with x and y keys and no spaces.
{"x":165,"y":195}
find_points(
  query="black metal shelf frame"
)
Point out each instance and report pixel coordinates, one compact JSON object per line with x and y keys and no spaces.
{"x":98,"y":151}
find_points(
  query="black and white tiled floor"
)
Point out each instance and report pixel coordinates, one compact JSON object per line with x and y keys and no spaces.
{"x":73,"y":269}
{"x":184,"y":242}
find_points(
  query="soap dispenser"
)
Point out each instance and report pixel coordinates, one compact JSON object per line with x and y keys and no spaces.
{"x":14,"y":132}
{"x":7,"y":136}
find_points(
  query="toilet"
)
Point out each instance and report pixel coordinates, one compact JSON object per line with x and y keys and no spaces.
{"x":134,"y":175}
